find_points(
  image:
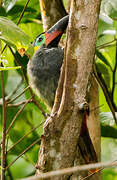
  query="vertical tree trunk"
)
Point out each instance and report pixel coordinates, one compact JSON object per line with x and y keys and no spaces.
{"x":93,"y":122}
{"x":51,"y":11}
{"x":61,"y":132}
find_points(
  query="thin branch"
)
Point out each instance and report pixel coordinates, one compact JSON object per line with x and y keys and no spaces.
{"x":18,"y":104}
{"x":14,"y":91}
{"x":105,"y":44}
{"x":10,"y":126}
{"x":23,"y":11}
{"x":105,"y":91}
{"x":1,"y":2}
{"x":9,"y":172}
{"x":18,"y":95}
{"x":17,"y":114}
{"x":96,"y":107}
{"x":40,"y":108}
{"x":72,"y":170}
{"x":26,"y":158}
{"x":108,"y":45}
{"x":15,"y":105}
{"x":100,"y":169}
{"x":3,"y":152}
{"x":114,"y":74}
{"x":24,"y":136}
{"x":27,"y":149}
{"x":92,"y":174}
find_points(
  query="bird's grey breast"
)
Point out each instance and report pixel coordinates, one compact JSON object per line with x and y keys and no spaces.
{"x":44,"y":71}
{"x":46,"y":62}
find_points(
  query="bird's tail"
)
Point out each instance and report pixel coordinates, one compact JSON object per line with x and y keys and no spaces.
{"x":85,"y":145}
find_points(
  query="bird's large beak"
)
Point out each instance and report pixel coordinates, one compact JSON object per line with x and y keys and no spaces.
{"x":56,"y":31}
{"x":51,"y":36}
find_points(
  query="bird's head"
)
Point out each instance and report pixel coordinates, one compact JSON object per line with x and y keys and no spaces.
{"x":52,"y":37}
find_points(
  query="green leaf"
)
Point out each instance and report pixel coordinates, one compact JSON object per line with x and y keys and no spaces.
{"x":13,"y":35}
{"x":103,"y":58}
{"x":31,"y":12}
{"x":104,"y":17}
{"x":8,"y":4}
{"x":107,"y":118}
{"x":112,"y":132}
{"x":108,"y":125}
{"x":103,"y":69}
{"x":110,"y":8}
{"x":110,"y":32}
{"x":109,"y":174}
{"x":2,"y":11}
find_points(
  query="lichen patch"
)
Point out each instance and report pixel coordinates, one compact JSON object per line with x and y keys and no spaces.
{"x":52,"y":153}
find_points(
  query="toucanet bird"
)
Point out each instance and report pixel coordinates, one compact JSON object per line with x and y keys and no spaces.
{"x":44,"y":68}
{"x":44,"y":72}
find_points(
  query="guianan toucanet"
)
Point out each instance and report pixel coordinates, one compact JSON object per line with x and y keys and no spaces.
{"x":44,"y":71}
{"x":44,"y":68}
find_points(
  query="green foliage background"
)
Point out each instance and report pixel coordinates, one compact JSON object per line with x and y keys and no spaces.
{"x":31,"y":116}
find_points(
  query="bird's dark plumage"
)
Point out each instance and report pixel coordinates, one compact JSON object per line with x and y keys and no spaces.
{"x":44,"y":70}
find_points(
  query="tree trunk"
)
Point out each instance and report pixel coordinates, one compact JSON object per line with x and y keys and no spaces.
{"x":51,"y":11}
{"x":93,"y":122}
{"x":61,"y":131}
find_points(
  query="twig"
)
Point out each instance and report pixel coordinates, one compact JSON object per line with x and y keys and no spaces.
{"x":14,"y":91}
{"x":15,"y":105}
{"x":17,"y":114}
{"x":9,"y":172}
{"x":35,"y":142}
{"x":25,"y":136}
{"x":105,"y":91}
{"x":37,"y":21}
{"x":114,"y":73}
{"x":18,"y":104}
{"x":26,"y":158}
{"x":108,"y":45}
{"x":96,"y":107}
{"x":71,"y":170}
{"x":1,"y":2}
{"x":105,"y":44}
{"x":92,"y":174}
{"x":100,"y":169}
{"x":38,"y":105}
{"x":23,"y":11}
{"x":3,"y":152}
{"x":18,"y":95}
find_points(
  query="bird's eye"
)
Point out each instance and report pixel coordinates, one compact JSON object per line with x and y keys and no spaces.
{"x":40,"y":39}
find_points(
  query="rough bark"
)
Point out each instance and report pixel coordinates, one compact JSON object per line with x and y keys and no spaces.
{"x":61,"y":131}
{"x":93,"y":120}
{"x":51,"y":11}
